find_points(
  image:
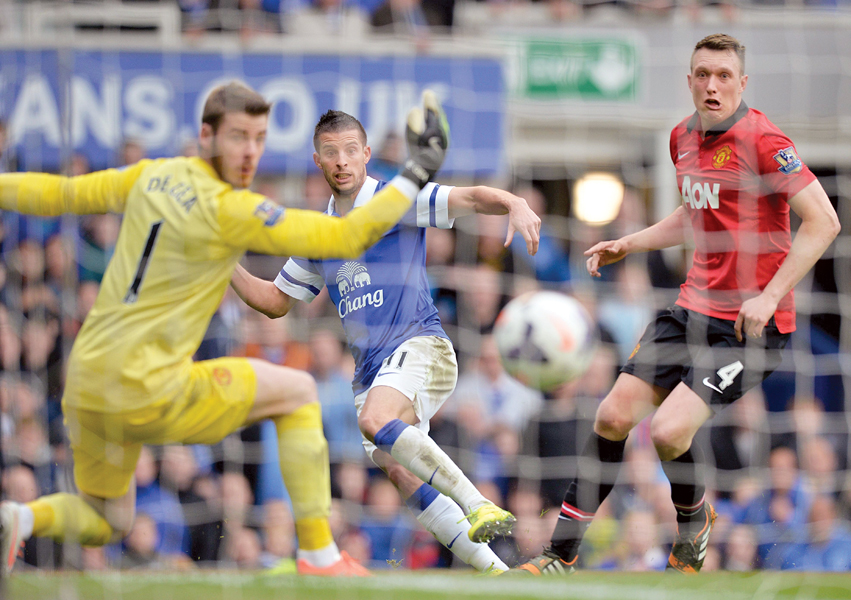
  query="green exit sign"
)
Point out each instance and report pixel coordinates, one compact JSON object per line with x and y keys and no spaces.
{"x":586,"y":69}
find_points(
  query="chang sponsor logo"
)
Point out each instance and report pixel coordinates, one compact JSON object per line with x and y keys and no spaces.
{"x":351,"y":277}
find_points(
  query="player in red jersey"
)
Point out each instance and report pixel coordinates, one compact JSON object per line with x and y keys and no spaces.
{"x":738,"y":176}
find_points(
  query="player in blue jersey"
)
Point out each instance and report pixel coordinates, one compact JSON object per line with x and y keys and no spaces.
{"x":405,"y":362}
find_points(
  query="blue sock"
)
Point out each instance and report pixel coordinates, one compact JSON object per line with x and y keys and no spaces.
{"x":422,"y":498}
{"x":387,"y":435}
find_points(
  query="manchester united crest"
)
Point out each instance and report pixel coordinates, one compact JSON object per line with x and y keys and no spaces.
{"x":222,"y":376}
{"x":722,"y":157}
{"x":635,"y":350}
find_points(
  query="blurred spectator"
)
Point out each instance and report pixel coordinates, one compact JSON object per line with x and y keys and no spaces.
{"x":178,"y":472}
{"x":132,"y":151}
{"x":388,"y":528}
{"x":161,"y":505}
{"x":59,"y":261}
{"x":440,"y":255}
{"x":357,"y":543}
{"x":140,"y":545}
{"x":41,"y":348}
{"x":819,"y":467}
{"x":10,"y":341}
{"x":534,"y":525}
{"x":809,"y":420}
{"x":98,"y":236}
{"x":270,"y":340}
{"x":243,"y":548}
{"x":224,"y":329}
{"x":823,"y":545}
{"x":387,"y":161}
{"x":741,"y":549}
{"x":237,"y":501}
{"x":23,"y":400}
{"x":479,"y":301}
{"x":195,"y":13}
{"x":278,"y":533}
{"x":491,"y":231}
{"x":602,"y":537}
{"x":93,"y":559}
{"x":27,"y":263}
{"x":781,"y":508}
{"x":87,"y":292}
{"x":31,"y":449}
{"x":639,"y":549}
{"x":494,"y":409}
{"x":77,"y":165}
{"x":19,"y":484}
{"x":189,"y":146}
{"x":8,"y":160}
{"x":558,"y":432}
{"x":317,"y":192}
{"x":646,"y":487}
{"x":626,"y":311}
{"x":740,"y":439}
{"x":324,"y":17}
{"x":403,"y":17}
{"x":334,"y":388}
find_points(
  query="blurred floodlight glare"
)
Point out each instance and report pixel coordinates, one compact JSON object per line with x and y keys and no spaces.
{"x":597,"y":198}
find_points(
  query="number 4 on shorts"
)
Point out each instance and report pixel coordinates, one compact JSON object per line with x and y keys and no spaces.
{"x":728,"y":373}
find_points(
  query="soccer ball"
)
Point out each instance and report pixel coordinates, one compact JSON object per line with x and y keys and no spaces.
{"x":545,"y":339}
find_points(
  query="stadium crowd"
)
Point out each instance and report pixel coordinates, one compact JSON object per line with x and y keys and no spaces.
{"x":420,"y":19}
{"x":778,"y":478}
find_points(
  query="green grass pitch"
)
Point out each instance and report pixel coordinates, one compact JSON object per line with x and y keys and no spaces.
{"x":426,"y":585}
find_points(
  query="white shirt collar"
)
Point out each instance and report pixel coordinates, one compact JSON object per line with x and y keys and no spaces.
{"x":367,"y":191}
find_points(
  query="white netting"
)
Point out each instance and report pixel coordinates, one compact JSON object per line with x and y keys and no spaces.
{"x":778,"y":452}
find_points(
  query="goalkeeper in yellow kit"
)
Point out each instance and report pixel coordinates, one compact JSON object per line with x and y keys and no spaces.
{"x":131,"y":379}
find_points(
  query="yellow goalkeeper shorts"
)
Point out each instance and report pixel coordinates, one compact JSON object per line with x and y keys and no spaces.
{"x":106,"y":446}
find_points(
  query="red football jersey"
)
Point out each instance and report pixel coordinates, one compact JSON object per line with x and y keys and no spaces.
{"x":735,"y":183}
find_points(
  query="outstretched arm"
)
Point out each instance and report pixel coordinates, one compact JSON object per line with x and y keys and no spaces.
{"x":485,"y":200}
{"x":261,"y":295}
{"x":670,"y":231}
{"x":51,"y":195}
{"x":251,"y":222}
{"x":819,"y":227}
{"x":257,"y":226}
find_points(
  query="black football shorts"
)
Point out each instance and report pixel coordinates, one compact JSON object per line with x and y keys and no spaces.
{"x":703,"y":352}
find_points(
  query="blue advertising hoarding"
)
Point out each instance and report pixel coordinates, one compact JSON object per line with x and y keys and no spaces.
{"x":60,"y":101}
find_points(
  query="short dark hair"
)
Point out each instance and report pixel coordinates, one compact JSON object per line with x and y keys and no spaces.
{"x":334,"y":121}
{"x":233,"y":97}
{"x":722,"y":41}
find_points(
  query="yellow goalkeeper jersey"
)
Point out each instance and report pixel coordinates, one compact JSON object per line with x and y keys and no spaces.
{"x":183,"y":231}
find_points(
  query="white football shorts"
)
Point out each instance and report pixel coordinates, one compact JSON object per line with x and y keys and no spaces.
{"x":422,"y":368}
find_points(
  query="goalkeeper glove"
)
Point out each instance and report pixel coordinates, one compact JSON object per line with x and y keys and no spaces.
{"x":427,"y":134}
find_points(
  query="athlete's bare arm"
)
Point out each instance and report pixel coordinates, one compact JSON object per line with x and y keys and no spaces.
{"x":819,"y":227}
{"x":670,"y":231}
{"x":485,"y":200}
{"x":261,"y":295}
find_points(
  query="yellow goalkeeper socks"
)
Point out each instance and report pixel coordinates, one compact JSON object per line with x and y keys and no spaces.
{"x":304,"y":466}
{"x":69,"y":518}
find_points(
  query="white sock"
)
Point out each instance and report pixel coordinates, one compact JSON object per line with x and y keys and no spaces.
{"x":441,"y":519}
{"x":26,"y":520}
{"x":417,"y":452}
{"x":324,"y":557}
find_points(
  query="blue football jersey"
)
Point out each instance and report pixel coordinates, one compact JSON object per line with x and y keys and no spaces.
{"x":383,"y":296}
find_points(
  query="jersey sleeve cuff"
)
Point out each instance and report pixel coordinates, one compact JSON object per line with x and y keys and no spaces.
{"x":407,"y":187}
{"x":294,"y":290}
{"x":433,"y":206}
